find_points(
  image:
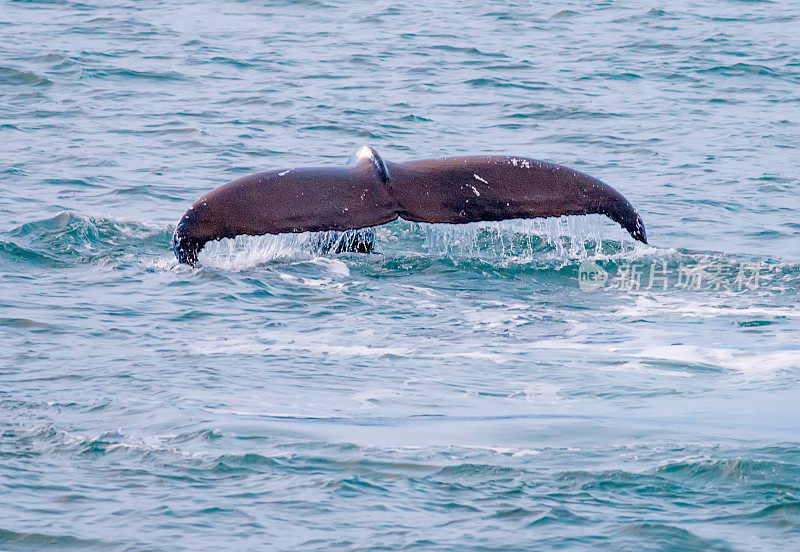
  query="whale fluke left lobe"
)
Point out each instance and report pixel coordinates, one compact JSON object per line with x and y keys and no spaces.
{"x":284,"y":201}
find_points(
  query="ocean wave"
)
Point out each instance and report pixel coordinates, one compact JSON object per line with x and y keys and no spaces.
{"x":643,"y":535}
{"x":737,"y":471}
{"x":744,"y":69}
{"x":70,"y":238}
{"x":11,"y":76}
{"x":34,"y":540}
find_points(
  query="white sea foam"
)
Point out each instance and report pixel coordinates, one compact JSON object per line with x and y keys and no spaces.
{"x":699,"y":307}
{"x":163,"y":264}
{"x":335,"y":266}
{"x":567,"y":236}
{"x":521,"y":240}
{"x":313,"y":344}
{"x":564,"y":239}
{"x":641,"y":354}
{"x":246,"y":252}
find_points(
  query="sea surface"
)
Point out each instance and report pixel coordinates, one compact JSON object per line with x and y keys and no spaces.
{"x":460,"y":389}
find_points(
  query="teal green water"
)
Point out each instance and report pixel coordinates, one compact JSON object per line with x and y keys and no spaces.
{"x":457,"y":390}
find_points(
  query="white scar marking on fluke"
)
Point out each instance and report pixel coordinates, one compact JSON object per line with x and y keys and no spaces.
{"x":474,"y":189}
{"x":284,"y":172}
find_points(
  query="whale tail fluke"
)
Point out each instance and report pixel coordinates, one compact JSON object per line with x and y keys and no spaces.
{"x":368,"y":192}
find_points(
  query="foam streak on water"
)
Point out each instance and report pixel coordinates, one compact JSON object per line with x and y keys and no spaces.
{"x":454,"y":390}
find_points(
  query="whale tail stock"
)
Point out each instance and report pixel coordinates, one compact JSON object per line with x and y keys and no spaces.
{"x":368,"y":192}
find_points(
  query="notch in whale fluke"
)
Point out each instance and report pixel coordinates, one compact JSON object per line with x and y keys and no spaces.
{"x":368,"y":192}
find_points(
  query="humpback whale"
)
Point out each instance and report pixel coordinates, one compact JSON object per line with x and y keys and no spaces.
{"x":369,"y":191}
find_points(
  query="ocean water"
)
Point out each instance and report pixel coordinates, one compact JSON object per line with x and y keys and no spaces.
{"x":458,"y":389}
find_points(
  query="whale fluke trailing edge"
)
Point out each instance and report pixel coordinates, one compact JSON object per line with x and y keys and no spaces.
{"x":368,"y":191}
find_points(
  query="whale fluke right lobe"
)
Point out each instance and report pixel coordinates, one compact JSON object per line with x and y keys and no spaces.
{"x":469,"y":189}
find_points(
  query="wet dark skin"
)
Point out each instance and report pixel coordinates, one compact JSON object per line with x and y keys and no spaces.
{"x":368,"y":192}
